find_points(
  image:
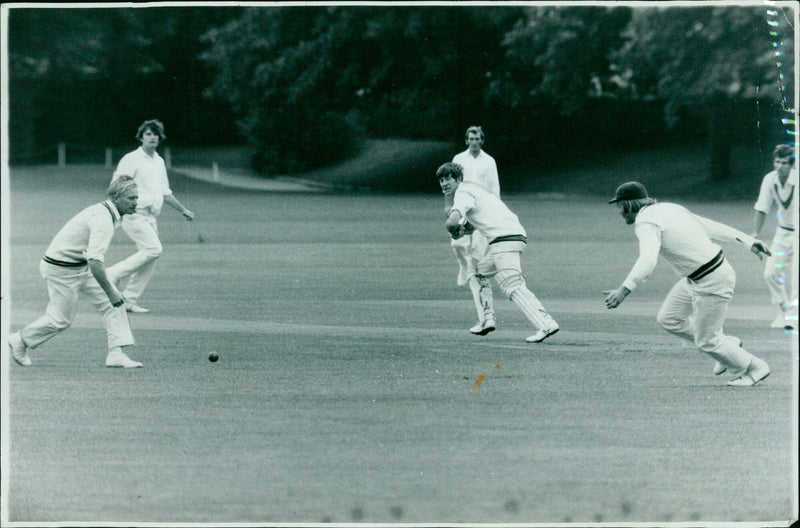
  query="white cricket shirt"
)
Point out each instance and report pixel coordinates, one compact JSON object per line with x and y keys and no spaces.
{"x":481,"y":170}
{"x":86,"y":235}
{"x":684,"y":240}
{"x":150,"y":174}
{"x":782,"y":196}
{"x":485,"y":211}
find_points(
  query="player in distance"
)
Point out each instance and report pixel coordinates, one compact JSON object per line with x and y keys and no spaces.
{"x":480,"y":168}
{"x":695,"y":307}
{"x":777,"y":192}
{"x":150,"y":173}
{"x":507,"y":239}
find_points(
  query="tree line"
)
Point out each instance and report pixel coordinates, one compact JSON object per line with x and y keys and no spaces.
{"x":304,"y":86}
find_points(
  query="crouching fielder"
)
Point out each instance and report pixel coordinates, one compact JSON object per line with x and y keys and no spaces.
{"x":474,"y":204}
{"x":696,"y":306}
{"x":73,"y":263}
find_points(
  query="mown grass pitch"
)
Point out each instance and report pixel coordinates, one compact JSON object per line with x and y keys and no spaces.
{"x":348,"y":389}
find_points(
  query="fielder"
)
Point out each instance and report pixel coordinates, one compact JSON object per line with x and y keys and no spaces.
{"x":73,"y":263}
{"x":474,"y":204}
{"x":695,"y":307}
{"x":150,"y":173}
{"x":480,"y":168}
{"x":777,"y":192}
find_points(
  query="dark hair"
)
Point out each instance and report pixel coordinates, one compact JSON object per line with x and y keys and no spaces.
{"x":634,"y":206}
{"x":478,"y":130}
{"x":153,"y":124}
{"x":450,"y":169}
{"x":783,"y":151}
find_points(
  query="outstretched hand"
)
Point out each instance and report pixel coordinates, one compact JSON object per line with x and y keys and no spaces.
{"x":760,"y":249}
{"x":615,"y":297}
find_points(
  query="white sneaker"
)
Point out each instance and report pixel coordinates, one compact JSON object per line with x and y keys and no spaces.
{"x":541,"y":335}
{"x":135,"y":308}
{"x":120,"y":359}
{"x":484,"y":327}
{"x":757,"y":371}
{"x":18,"y":349}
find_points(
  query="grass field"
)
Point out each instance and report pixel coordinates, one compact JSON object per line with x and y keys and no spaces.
{"x":348,"y":389}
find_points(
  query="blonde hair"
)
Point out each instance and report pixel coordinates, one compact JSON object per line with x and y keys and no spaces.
{"x":121,"y":184}
{"x":634,"y":206}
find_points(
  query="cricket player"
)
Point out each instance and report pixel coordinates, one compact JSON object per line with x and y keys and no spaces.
{"x":695,"y":307}
{"x":777,"y":192}
{"x":73,"y":263}
{"x":478,"y":167}
{"x":150,"y":173}
{"x":506,"y":240}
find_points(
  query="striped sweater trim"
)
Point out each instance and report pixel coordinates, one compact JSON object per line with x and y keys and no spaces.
{"x":510,"y":238}
{"x":707,"y":268}
{"x":64,"y":263}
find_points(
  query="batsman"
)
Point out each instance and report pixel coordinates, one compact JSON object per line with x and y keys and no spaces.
{"x":507,"y":239}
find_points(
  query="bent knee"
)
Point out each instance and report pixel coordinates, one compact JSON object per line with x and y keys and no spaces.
{"x":509,"y":282}
{"x":152,"y":252}
{"x":59,"y":322}
{"x":665,"y":321}
{"x":670,"y":324}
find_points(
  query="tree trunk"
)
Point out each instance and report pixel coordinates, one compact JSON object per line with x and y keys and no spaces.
{"x":720,"y":136}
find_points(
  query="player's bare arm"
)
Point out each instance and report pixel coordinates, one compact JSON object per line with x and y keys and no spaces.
{"x":177,"y":205}
{"x":758,"y":222}
{"x":98,"y":271}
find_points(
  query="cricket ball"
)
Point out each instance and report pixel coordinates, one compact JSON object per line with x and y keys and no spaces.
{"x":213,"y":357}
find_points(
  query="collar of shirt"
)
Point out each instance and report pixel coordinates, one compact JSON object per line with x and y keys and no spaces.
{"x":144,"y":154}
{"x":481,"y":154}
{"x":115,"y":216}
{"x":791,"y":179}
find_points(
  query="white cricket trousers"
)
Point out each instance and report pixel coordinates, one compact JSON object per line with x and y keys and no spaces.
{"x":64,"y":285}
{"x":777,"y":266}
{"x":138,"y":268}
{"x":696,"y":311}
